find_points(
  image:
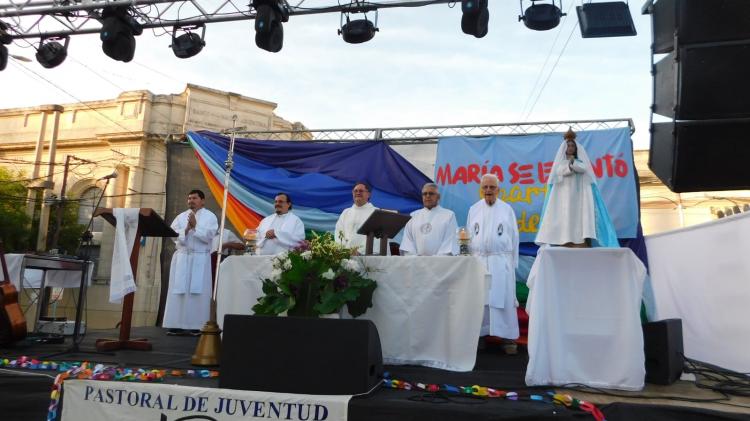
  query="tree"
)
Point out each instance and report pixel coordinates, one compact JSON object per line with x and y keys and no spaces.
{"x":14,"y":228}
{"x":70,"y":229}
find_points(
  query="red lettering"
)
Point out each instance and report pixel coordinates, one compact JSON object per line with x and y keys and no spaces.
{"x":444,"y":175}
{"x":498,"y":171}
{"x":610,"y":169}
{"x":521,"y":173}
{"x":597,"y":167}
{"x":543,"y":170}
{"x":460,"y":175}
{"x":474,"y":173}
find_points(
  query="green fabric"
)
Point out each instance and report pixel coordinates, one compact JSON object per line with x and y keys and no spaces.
{"x":522,"y":293}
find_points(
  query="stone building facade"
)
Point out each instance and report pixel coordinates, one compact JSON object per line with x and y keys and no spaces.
{"x":128,"y":134}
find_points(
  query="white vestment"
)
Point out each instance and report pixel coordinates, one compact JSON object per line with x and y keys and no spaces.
{"x":350,"y":220}
{"x":189,"y":297}
{"x":289,"y":230}
{"x":122,"y":279}
{"x":494,"y":239}
{"x":431,"y":232}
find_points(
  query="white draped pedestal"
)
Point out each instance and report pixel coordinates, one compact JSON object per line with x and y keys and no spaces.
{"x":428,"y":310}
{"x":584,"y":322}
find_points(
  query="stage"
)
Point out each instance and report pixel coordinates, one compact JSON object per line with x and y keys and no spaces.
{"x":26,"y":393}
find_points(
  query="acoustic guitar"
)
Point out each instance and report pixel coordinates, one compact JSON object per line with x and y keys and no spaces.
{"x":12,"y":321}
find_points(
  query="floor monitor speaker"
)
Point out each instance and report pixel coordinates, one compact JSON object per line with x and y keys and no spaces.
{"x":300,"y":355}
{"x":662,"y":341}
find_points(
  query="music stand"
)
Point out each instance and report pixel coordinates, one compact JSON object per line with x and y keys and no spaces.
{"x":150,"y":224}
{"x":384,"y":225}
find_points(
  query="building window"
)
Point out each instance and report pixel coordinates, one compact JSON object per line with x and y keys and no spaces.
{"x":86,"y":206}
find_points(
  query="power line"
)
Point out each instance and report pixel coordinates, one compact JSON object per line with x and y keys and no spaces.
{"x":541,"y":69}
{"x":531,"y":110}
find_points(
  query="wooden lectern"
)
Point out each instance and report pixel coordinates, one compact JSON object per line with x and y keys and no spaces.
{"x":384,"y":225}
{"x":150,"y":224}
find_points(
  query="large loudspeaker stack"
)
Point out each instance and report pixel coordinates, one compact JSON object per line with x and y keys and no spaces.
{"x":703,"y":85}
{"x":300,"y":355}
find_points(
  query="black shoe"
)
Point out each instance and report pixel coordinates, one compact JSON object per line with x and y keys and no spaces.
{"x":194,"y":332}
{"x":175,"y":332}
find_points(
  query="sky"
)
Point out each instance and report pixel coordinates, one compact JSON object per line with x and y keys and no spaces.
{"x":419,"y":70}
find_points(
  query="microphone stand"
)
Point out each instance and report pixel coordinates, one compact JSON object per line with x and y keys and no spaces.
{"x":209,"y":345}
{"x":84,"y":254}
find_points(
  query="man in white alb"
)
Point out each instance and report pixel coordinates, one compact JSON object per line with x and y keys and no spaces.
{"x":189,"y":297}
{"x":282,"y":230}
{"x":432,"y":230}
{"x":493,"y":229}
{"x":351,"y":219}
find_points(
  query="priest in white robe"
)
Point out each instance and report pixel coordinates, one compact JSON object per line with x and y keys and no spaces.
{"x":351,"y":219}
{"x":189,"y":297}
{"x":574,"y":213}
{"x":432,"y":230}
{"x":493,"y":228}
{"x":282,"y":230}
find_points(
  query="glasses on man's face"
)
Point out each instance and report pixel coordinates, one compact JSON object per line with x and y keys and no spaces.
{"x":359,"y":191}
{"x":429,"y":193}
{"x":489,"y":187}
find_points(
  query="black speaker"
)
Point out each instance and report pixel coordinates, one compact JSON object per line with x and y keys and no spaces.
{"x":698,"y":21}
{"x":606,"y":19}
{"x":701,"y":155}
{"x":705,"y":82}
{"x":662,"y":343}
{"x":300,"y":355}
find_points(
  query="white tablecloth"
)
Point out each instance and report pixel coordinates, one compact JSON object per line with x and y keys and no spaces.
{"x":584,"y":323}
{"x":32,"y":278}
{"x":428,"y":310}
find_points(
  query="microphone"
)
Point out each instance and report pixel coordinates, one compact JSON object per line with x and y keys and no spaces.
{"x":107,"y":177}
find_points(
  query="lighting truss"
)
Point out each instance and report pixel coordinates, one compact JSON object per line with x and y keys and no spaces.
{"x":430,"y":134}
{"x":56,"y":18}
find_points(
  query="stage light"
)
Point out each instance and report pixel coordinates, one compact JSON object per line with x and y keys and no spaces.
{"x":720,"y":214}
{"x":541,"y":17}
{"x":3,"y":57}
{"x":607,"y":19}
{"x":189,"y":43}
{"x":117,"y":33}
{"x":736,"y":209}
{"x":358,"y":31}
{"x":4,"y":39}
{"x":269,"y":15}
{"x":51,"y":53}
{"x":746,"y":208}
{"x":475,"y":17}
{"x":728,"y":211}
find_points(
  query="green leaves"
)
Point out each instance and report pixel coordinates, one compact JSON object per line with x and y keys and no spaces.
{"x":314,"y":279}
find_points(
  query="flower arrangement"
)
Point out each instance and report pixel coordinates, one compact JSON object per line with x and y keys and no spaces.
{"x":317,"y":277}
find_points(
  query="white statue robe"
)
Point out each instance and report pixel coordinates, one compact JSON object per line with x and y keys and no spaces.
{"x":189,"y":297}
{"x":289,"y":230}
{"x":430,"y":232}
{"x":569,"y":215}
{"x":494,"y":239}
{"x":349,"y":222}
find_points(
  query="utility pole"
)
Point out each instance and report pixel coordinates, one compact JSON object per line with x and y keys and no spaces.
{"x":63,"y":199}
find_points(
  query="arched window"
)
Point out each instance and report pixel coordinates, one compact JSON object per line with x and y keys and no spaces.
{"x":86,"y":206}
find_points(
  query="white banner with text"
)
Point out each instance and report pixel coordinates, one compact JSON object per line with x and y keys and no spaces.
{"x":120,"y":401}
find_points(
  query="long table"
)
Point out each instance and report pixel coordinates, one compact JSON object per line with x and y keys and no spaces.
{"x":428,"y":310}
